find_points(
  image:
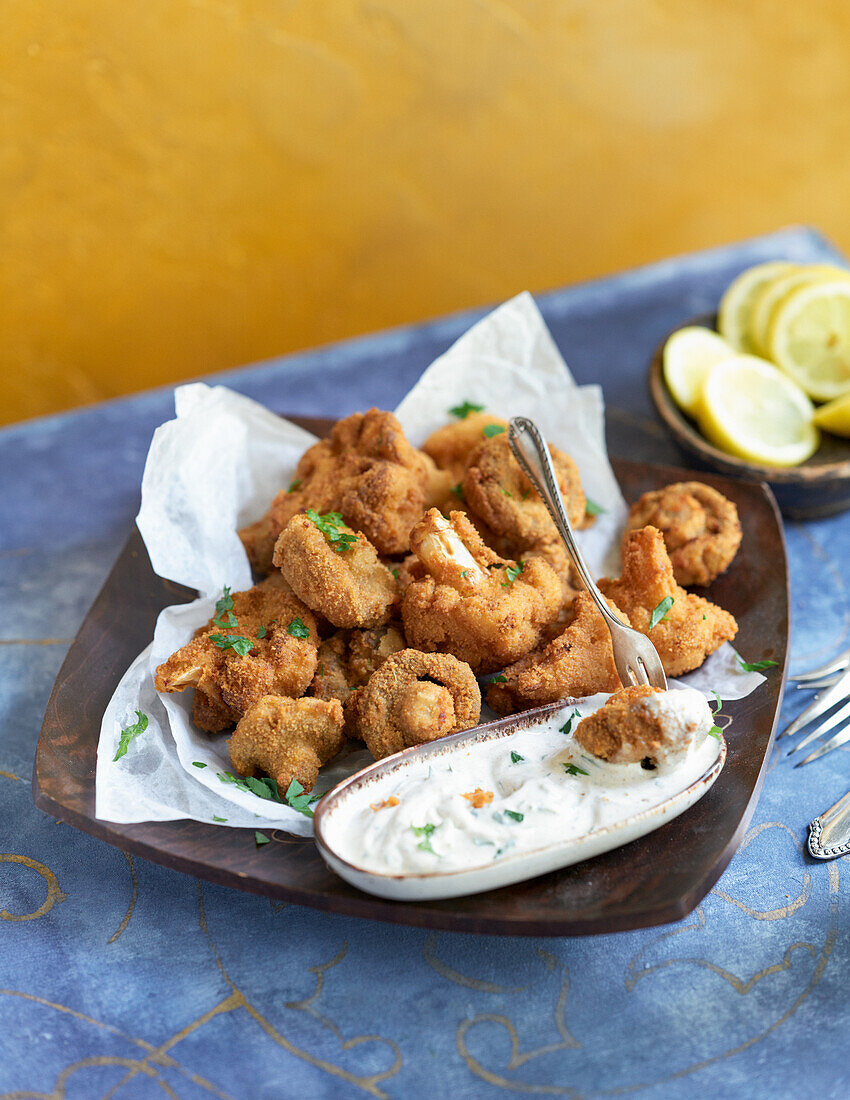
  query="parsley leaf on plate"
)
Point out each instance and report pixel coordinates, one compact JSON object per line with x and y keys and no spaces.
{"x":568,"y":725}
{"x":574,"y":769}
{"x":463,"y":411}
{"x":424,"y":831}
{"x":127,"y":735}
{"x":297,"y":629}
{"x":592,"y":508}
{"x":755,"y":666}
{"x":260,"y":839}
{"x":515,"y":758}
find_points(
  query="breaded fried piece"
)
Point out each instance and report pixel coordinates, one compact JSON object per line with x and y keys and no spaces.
{"x":415,"y":697}
{"x":578,"y":662}
{"x":556,"y":555}
{"x":348,"y":587}
{"x":287,"y":739}
{"x":349,"y":658}
{"x":367,"y":471}
{"x":691,"y":629}
{"x":642,"y":724}
{"x":331,"y":679}
{"x":484,"y":609}
{"x":451,"y":446}
{"x":499,"y":493}
{"x":700,"y":526}
{"x":226,"y":682}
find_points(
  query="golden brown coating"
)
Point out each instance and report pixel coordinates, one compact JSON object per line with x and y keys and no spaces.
{"x":331,"y":679}
{"x":556,"y":555}
{"x":349,"y":658}
{"x":451,"y":446}
{"x":227,"y":682}
{"x":415,"y":697}
{"x":578,"y":662}
{"x":691,"y":629}
{"x":484,"y":609}
{"x":499,"y":493}
{"x":623,"y":730}
{"x":700,"y":526}
{"x":350,"y":588}
{"x":287,"y":739}
{"x":368,"y":649}
{"x":367,"y":471}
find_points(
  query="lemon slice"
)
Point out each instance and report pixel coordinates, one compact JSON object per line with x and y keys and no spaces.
{"x":835,"y":416}
{"x":771,"y":294}
{"x":750,"y":409}
{"x":809,"y":337}
{"x":688,"y":354}
{"x":734,"y":312}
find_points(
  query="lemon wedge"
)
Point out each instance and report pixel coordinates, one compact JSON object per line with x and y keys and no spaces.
{"x":733,"y":315}
{"x":835,"y":416}
{"x":688,"y":354}
{"x":771,"y":293}
{"x":809,"y":337}
{"x":750,"y":409}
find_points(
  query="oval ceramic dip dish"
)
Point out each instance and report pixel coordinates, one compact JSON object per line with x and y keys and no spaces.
{"x":505,"y":802}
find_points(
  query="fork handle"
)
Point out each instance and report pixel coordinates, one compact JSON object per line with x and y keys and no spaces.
{"x":533,"y":455}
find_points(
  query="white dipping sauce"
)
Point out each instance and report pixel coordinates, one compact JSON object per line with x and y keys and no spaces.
{"x":546,"y":790}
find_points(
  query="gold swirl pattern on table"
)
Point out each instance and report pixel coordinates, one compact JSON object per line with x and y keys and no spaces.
{"x":54,"y":894}
{"x":637,"y":970}
{"x":133,"y":898}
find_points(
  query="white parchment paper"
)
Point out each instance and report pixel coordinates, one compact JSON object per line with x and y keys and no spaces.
{"x":196,"y":493}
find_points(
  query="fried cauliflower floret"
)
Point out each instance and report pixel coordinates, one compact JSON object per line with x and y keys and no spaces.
{"x":415,"y":697}
{"x":578,"y":662}
{"x":331,"y":679}
{"x":349,"y":586}
{"x":451,"y":446}
{"x":349,"y":658}
{"x":287,"y":739}
{"x":556,"y":555}
{"x":700,"y":526}
{"x":367,"y":471}
{"x":497,"y":491}
{"x":368,"y":649}
{"x":484,"y":609}
{"x":644,"y":725}
{"x":691,"y":629}
{"x":276,"y":662}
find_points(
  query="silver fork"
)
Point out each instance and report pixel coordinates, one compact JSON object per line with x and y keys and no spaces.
{"x":635,"y":657}
{"x":829,"y":709}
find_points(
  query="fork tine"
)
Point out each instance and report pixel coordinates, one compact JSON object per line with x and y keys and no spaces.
{"x":835,"y":743}
{"x":836,"y":694}
{"x":840,"y":661}
{"x":835,"y":719}
{"x":816,"y":685}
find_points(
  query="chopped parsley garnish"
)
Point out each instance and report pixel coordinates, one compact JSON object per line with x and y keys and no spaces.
{"x":293,"y":485}
{"x":297,"y":629}
{"x":568,"y":725}
{"x":424,"y":831}
{"x":659,"y":614}
{"x":127,"y":735}
{"x":755,"y":666}
{"x":526,"y":494}
{"x":500,"y":679}
{"x":457,"y":490}
{"x":198,"y":764}
{"x":463,"y":411}
{"x":263,"y":788}
{"x":464,"y":573}
{"x":236,"y":642}
{"x":592,"y":508}
{"x":514,"y":815}
{"x":297,"y":798}
{"x":574,"y":769}
{"x":223,"y":607}
{"x":219,"y":818}
{"x":261,"y":633}
{"x":715,"y":731}
{"x":260,"y":839}
{"x":330,"y":524}
{"x":515,"y":758}
{"x":512,"y":572}
{"x":395,"y":572}
{"x":492,"y":429}
{"x":505,"y":492}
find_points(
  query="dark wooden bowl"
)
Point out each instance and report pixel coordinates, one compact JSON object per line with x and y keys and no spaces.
{"x":819,"y":487}
{"x":654,"y":880}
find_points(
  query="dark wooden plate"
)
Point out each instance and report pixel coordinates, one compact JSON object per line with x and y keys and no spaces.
{"x":819,"y":487}
{"x":654,"y":880}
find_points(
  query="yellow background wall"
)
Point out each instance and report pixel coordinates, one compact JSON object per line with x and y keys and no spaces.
{"x":192,"y":184}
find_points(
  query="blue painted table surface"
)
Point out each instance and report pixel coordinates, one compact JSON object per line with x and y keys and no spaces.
{"x":120,"y":978}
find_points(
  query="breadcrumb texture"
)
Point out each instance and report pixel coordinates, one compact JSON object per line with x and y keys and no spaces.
{"x":700,"y":527}
{"x":366,"y":470}
{"x":469,"y":604}
{"x":349,"y":588}
{"x":287,"y":739}
{"x":415,"y":697}
{"x":692,"y":628}
{"x":227,"y":684}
